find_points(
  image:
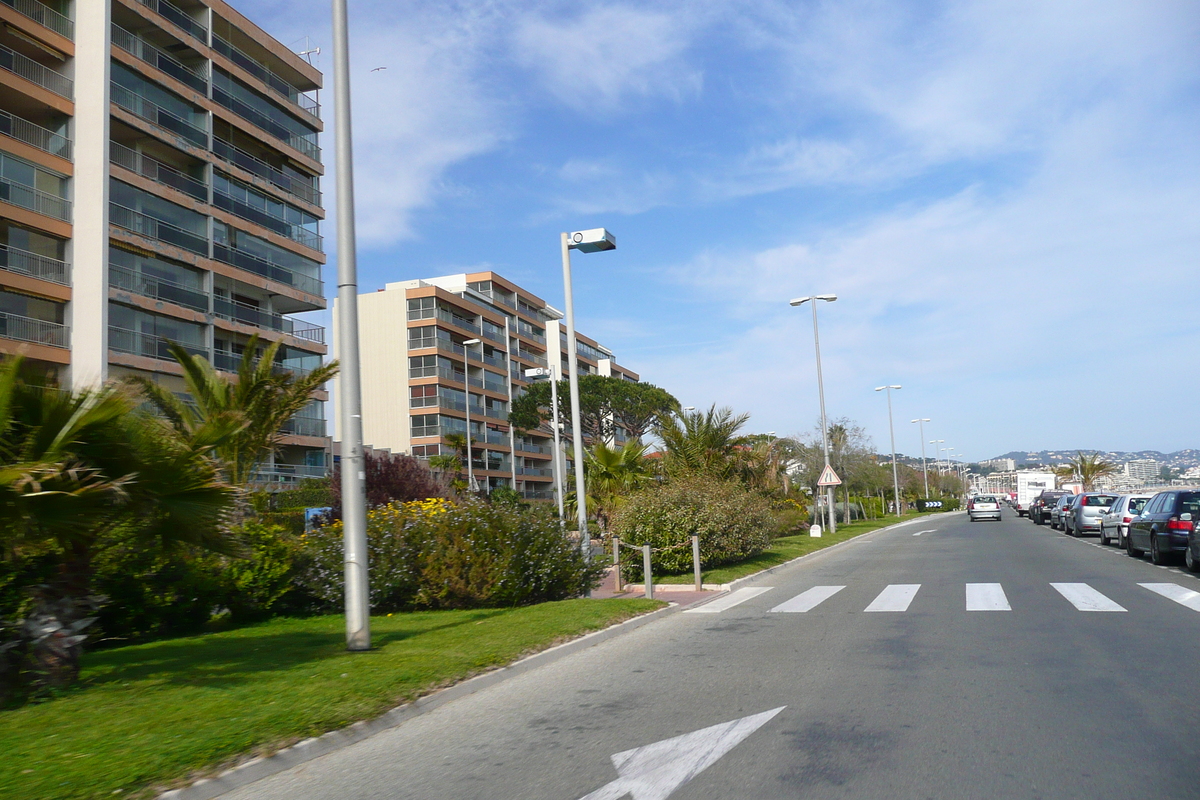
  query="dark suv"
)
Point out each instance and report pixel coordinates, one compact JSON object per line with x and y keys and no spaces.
{"x":1164,"y":525}
{"x":1042,"y":505}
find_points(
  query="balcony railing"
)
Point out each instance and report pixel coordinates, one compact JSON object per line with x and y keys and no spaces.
{"x":437,"y":401}
{"x":153,"y":228}
{"x":277,"y":85}
{"x":35,"y":135}
{"x":260,"y":318}
{"x":155,"y":114}
{"x":256,"y":166}
{"x":31,"y":70}
{"x":157,"y":288}
{"x":156,"y":171}
{"x":495,"y":336}
{"x":536,"y":359}
{"x":495,"y":437}
{"x":287,"y":474}
{"x":526,"y":447}
{"x":529,"y":334}
{"x":306,"y":146}
{"x":37,"y":331}
{"x":174,"y":14}
{"x":297,"y":233}
{"x":122,"y":340}
{"x":537,"y":494}
{"x":539,"y":472}
{"x":494,"y":361}
{"x":458,"y":322}
{"x":15,"y":259}
{"x":35,"y":200}
{"x":43,"y":15}
{"x":495,"y":413}
{"x":304,"y":426}
{"x":260,"y":266}
{"x":159,"y":60}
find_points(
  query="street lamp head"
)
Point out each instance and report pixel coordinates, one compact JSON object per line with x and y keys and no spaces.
{"x":881,"y":388}
{"x":689,"y":408}
{"x":593,"y":241}
{"x":472,"y":342}
{"x":799,"y":301}
{"x":923,"y":419}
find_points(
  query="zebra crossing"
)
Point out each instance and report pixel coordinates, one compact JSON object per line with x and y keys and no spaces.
{"x":898,"y":598}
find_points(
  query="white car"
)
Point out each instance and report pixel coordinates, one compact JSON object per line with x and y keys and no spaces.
{"x":1117,"y":519}
{"x":983,"y":506}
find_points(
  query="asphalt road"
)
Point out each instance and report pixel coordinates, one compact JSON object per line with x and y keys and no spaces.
{"x":933,"y":701}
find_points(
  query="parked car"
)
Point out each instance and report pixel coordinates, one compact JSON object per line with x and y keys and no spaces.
{"x":984,"y":506}
{"x":1118,"y":517}
{"x":1056,"y":514}
{"x":1165,"y":525}
{"x":1086,"y":511}
{"x":1042,"y":505}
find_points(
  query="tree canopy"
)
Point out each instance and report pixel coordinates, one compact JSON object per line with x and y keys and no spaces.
{"x":605,"y":403}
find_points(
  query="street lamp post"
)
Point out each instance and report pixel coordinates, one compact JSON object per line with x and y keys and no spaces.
{"x":353,"y":467}
{"x":829,"y":298}
{"x":471,"y":485}
{"x":558,"y":483}
{"x":924,"y":469}
{"x":937,"y":458}
{"x":591,"y":241}
{"x":892,"y":433}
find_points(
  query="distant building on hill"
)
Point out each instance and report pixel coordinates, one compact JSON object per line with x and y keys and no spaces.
{"x":1142,"y":470}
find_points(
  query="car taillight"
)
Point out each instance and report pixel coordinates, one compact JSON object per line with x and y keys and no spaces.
{"x":1179,"y":524}
{"x":1127,"y":519}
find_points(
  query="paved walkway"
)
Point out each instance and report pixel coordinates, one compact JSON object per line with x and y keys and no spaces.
{"x":683,"y":594}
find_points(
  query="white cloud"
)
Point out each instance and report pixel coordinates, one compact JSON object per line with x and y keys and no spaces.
{"x":596,"y":60}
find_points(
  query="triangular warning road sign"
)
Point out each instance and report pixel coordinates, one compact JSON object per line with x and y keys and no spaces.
{"x":829,"y":477}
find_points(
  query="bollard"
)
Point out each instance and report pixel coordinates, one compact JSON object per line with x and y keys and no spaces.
{"x":696,"y":561}
{"x":647,"y":581}
{"x":617,"y":563}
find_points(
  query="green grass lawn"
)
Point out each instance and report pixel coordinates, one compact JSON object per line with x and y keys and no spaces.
{"x":153,"y":714}
{"x":784,"y":549}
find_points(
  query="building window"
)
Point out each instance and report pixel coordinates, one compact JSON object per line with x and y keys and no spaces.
{"x":422,"y":307}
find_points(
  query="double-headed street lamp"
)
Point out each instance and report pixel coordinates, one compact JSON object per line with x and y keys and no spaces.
{"x":548,"y":372}
{"x":937,"y":458}
{"x":472,"y":486}
{"x":592,"y":241}
{"x":924,"y":470}
{"x":828,"y":298}
{"x":892,"y":433}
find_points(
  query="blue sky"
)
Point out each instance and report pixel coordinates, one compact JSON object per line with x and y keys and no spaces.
{"x":1003,"y":195}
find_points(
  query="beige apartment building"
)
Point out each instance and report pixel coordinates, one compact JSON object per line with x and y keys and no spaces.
{"x":417,"y":374}
{"x":159,"y":182}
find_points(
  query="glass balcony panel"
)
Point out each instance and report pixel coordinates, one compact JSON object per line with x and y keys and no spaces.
{"x":150,"y":227}
{"x":158,"y":59}
{"x":128,"y":280}
{"x":256,"y":166}
{"x":277,"y":85}
{"x":123,"y":340}
{"x":174,"y":14}
{"x":155,"y":114}
{"x":157,"y":171}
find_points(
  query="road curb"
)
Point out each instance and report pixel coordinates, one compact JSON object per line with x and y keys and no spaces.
{"x":258,"y":768}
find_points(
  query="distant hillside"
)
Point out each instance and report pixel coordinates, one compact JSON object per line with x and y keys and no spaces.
{"x":1180,"y":459}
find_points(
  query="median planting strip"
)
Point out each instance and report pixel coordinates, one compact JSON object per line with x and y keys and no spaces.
{"x":160,"y":714}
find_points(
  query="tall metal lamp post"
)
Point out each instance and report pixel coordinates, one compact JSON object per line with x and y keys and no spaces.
{"x":354,"y":476}
{"x":472,"y":486}
{"x":592,"y":241}
{"x":937,"y":454}
{"x":892,"y":433}
{"x":548,"y":372}
{"x":799,"y":301}
{"x":924,"y":470}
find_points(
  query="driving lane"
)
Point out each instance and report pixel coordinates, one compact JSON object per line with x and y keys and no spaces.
{"x":864,"y":675}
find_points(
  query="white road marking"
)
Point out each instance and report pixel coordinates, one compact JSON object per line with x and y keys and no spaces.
{"x":654,"y":771}
{"x":918,"y":533}
{"x":895,"y":597}
{"x":808,"y":600}
{"x":1173,"y":591}
{"x":729,"y":601}
{"x":1085,"y":598}
{"x":986,"y":597}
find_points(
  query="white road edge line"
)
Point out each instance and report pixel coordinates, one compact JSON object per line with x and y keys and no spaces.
{"x":918,"y":533}
{"x":1173,"y":591}
{"x":986,"y":597}
{"x":730,"y":600}
{"x":1085,"y":598}
{"x":807,"y":600}
{"x":896,"y":597}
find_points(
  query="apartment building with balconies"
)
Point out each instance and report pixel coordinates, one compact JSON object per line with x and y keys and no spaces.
{"x":418,"y":375}
{"x":159,"y":182}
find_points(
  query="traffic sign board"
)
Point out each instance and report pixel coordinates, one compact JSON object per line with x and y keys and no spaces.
{"x":829,"y":477}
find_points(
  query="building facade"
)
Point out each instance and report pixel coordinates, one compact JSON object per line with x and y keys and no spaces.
{"x":1143,"y":470}
{"x":159,"y":182}
{"x":418,"y":376}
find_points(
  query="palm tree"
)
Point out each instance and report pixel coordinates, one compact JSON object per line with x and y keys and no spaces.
{"x":453,"y":461}
{"x":1091,"y":467}
{"x":256,"y":404}
{"x":79,"y":466}
{"x":612,"y":474}
{"x":698,"y":441}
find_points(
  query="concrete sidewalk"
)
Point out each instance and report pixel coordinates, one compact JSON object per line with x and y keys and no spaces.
{"x":683,"y":594}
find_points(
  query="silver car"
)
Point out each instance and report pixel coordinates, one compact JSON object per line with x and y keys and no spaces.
{"x":1061,"y":508}
{"x":983,"y":506}
{"x":1117,"y":518}
{"x":1083,"y":516}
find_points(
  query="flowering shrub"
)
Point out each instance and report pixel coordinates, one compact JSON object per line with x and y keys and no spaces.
{"x":731,"y":521}
{"x":433,"y":554}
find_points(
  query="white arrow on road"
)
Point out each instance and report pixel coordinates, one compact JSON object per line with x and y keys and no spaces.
{"x":654,"y":771}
